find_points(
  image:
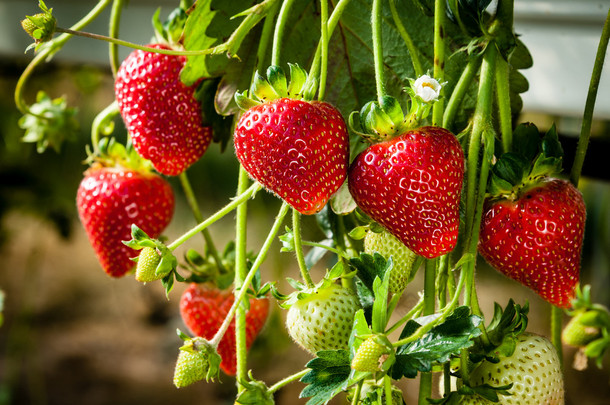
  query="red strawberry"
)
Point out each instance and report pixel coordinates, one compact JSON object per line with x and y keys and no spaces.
{"x":411,"y":185}
{"x":110,"y":200}
{"x":296,"y":149}
{"x":203,"y":310}
{"x":536,"y":238}
{"x":161,"y":113}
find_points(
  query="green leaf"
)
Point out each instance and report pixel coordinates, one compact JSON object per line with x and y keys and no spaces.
{"x":369,"y":267}
{"x":380,"y":306}
{"x":329,"y":374}
{"x":437,"y":346}
{"x":526,"y":140}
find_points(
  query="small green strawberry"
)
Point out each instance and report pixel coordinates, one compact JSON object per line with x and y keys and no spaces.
{"x":372,"y":354}
{"x":321,"y":318}
{"x":147,"y":265}
{"x":197,"y":360}
{"x":577,"y":333}
{"x":388,"y":246}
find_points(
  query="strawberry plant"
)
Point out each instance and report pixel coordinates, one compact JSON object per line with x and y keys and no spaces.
{"x":390,"y":126}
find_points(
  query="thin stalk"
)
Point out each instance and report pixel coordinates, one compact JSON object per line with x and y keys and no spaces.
{"x":280,"y":26}
{"x":324,"y":42}
{"x":556,"y":328}
{"x":378,"y":49}
{"x":460,"y":89}
{"x":241,"y":293}
{"x":503,"y":99}
{"x":49,"y":49}
{"x":98,"y":122}
{"x":356,"y":398}
{"x":425,"y":379}
{"x":409,"y":315}
{"x":236,"y":202}
{"x":439,"y":57}
{"x":314,"y":70}
{"x":265,"y":37}
{"x":342,"y":255}
{"x":241,"y":269}
{"x":481,"y":121}
{"x":194,"y":206}
{"x":298,"y":247}
{"x":585,"y":132}
{"x":113,"y":32}
{"x":413,"y":51}
{"x":280,"y":384}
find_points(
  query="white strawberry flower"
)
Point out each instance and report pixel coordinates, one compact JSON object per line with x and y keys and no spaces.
{"x":427,"y":88}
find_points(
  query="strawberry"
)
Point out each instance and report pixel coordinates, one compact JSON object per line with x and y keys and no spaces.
{"x":411,"y":185}
{"x":535,"y":237}
{"x":322,"y":318}
{"x":196,"y":361}
{"x":162,"y":115}
{"x":203,"y":310}
{"x":371,"y":354}
{"x":533,"y":369}
{"x":148,"y":260}
{"x":388,"y":246}
{"x":295,"y":149}
{"x":110,"y":200}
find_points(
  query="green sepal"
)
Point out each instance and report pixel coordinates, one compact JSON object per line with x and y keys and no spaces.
{"x":359,"y":232}
{"x":277,"y":80}
{"x":298,"y":78}
{"x":379,"y":120}
{"x":262,"y":89}
{"x":41,"y":26}
{"x":49,"y":123}
{"x":244,"y":102}
{"x":379,"y":319}
{"x":287,"y":240}
{"x":170,"y":31}
{"x":391,"y":107}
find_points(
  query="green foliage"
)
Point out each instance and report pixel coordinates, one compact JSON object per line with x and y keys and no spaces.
{"x":329,"y":375}
{"x":438,"y":345}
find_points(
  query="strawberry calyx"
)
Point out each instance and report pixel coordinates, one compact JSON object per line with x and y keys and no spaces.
{"x":170,"y":32}
{"x":276,"y":86}
{"x":534,"y":160}
{"x":255,"y":392}
{"x":111,"y":153}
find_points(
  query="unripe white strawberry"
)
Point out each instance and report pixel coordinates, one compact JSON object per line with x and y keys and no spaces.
{"x":322,"y":319}
{"x":388,"y":246}
{"x":533,"y":369}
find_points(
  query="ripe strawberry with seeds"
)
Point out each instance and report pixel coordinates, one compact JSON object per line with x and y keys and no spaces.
{"x":204,"y":309}
{"x":535,"y":237}
{"x":533,"y":369}
{"x":110,"y":200}
{"x":296,"y":149}
{"x":162,"y":114}
{"x":411,"y":185}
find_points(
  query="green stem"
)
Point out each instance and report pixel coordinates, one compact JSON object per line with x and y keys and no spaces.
{"x":409,"y":315}
{"x":425,"y":381}
{"x":113,"y":32}
{"x":439,"y":56}
{"x":265,"y":37}
{"x":556,"y":327}
{"x":241,"y":269}
{"x":194,"y":206}
{"x":587,"y":119}
{"x":481,"y":121}
{"x":324,"y":48}
{"x":51,"y":48}
{"x":339,"y":253}
{"x":101,"y":124}
{"x":460,"y":89}
{"x":503,"y":99}
{"x":314,"y":70}
{"x":241,"y":292}
{"x":387,"y":384}
{"x":298,"y":247}
{"x":413,"y":51}
{"x":280,"y":384}
{"x":236,"y":202}
{"x":280,"y":26}
{"x":356,"y":398}
{"x":378,"y":49}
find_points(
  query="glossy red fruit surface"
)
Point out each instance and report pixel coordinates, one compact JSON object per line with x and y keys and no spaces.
{"x":411,"y":185}
{"x":110,"y":200}
{"x":204,"y":309}
{"x":161,"y":114}
{"x":537,"y":239}
{"x":296,"y":149}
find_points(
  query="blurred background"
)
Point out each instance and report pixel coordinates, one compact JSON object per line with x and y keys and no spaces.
{"x":72,"y":335}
